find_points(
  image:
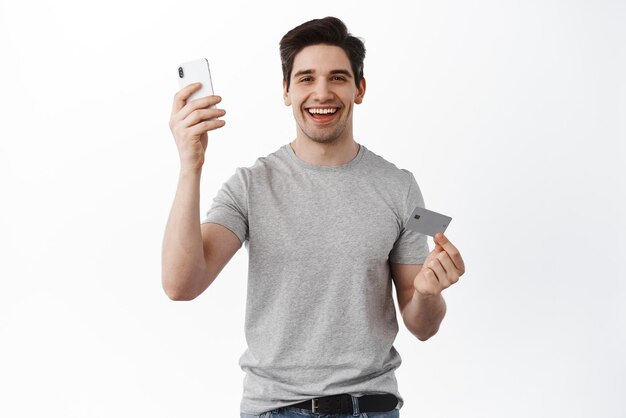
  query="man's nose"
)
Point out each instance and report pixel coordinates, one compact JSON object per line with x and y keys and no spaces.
{"x":322,"y":91}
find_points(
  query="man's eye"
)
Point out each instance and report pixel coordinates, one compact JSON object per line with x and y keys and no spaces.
{"x":338,"y":78}
{"x":306,"y":79}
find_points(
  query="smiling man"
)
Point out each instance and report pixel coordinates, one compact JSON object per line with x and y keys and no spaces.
{"x":323,"y":219}
{"x":322,"y":91}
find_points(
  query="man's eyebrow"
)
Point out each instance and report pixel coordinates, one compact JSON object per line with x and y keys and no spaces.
{"x":303,"y":72}
{"x":343,"y":72}
{"x":332,"y":72}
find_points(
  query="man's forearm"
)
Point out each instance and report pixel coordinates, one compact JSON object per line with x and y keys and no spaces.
{"x":182,"y":252}
{"x":423,"y":315}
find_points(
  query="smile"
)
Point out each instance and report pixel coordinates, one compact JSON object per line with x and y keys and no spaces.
{"x":322,"y":110}
{"x":322,"y":114}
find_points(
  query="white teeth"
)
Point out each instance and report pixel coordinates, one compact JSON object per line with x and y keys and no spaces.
{"x":324,"y":111}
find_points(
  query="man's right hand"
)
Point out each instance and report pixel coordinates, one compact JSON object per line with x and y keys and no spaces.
{"x":190,"y":123}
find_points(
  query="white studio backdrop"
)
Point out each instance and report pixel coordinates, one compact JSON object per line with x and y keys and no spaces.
{"x":511,"y":115}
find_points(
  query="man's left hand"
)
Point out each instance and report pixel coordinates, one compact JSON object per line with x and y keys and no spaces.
{"x":441,"y":269}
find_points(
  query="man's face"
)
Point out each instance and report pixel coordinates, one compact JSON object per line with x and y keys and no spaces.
{"x":322,"y":92}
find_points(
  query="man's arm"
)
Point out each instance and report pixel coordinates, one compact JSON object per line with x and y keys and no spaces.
{"x":422,"y":315}
{"x":192,"y":256}
{"x":419,"y":287}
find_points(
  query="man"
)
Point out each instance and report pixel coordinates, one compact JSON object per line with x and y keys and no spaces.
{"x":323,"y":219}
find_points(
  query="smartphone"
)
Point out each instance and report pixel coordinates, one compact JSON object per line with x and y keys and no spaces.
{"x":194,"y":72}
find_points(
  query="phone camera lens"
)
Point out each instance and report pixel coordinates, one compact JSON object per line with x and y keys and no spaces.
{"x":180,"y":72}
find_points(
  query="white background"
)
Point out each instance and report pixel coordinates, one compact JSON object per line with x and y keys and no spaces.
{"x":511,"y":115}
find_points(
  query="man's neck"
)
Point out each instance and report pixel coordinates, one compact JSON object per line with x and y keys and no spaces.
{"x":335,"y":153}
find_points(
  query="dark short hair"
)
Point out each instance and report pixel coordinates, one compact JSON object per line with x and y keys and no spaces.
{"x":328,"y":31}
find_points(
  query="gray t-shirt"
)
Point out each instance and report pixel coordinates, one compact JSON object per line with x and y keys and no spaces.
{"x":320,"y":317}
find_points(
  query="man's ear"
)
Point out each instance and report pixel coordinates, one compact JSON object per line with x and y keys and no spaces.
{"x":286,"y":94}
{"x":360,"y":92}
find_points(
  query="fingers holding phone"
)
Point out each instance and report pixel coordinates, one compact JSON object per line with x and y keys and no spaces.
{"x":194,"y":112}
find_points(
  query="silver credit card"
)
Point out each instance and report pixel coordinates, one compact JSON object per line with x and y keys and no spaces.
{"x":428,"y":222}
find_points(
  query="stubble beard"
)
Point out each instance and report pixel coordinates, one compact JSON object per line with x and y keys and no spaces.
{"x":325,"y":135}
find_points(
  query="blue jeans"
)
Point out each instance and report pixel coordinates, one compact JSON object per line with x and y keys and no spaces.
{"x":291,"y":412}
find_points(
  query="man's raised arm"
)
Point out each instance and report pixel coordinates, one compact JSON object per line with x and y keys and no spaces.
{"x":193,"y":254}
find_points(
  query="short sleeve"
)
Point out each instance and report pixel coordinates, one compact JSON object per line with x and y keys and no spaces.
{"x":230,"y":206}
{"x":411,"y":247}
